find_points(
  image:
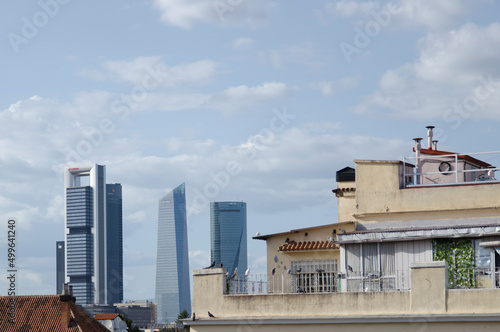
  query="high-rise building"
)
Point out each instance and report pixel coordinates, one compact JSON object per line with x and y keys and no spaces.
{"x":114,"y":242}
{"x":172,"y":261}
{"x":228,"y":235}
{"x":60,"y":272}
{"x":85,"y":228}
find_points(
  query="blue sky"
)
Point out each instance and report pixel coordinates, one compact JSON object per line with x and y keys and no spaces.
{"x":259,"y":101}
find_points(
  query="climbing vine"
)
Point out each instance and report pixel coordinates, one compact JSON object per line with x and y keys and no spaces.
{"x":459,"y":254}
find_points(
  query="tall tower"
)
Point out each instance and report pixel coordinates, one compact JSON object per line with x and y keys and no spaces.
{"x":85,"y":232}
{"x":114,"y":243}
{"x":228,"y":235}
{"x":172,"y":261}
{"x":60,"y":273}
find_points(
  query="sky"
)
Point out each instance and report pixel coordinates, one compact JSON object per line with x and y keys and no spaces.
{"x":256,"y":101}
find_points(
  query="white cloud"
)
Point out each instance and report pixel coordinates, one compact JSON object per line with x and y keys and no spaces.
{"x":413,"y":14}
{"x":186,"y":13}
{"x":329,"y":88}
{"x":151,"y":72}
{"x":242,"y":95}
{"x":242,"y":44}
{"x":453,"y":69}
{"x":298,"y":53}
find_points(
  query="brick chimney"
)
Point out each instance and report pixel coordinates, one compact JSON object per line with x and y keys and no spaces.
{"x":66,"y":299}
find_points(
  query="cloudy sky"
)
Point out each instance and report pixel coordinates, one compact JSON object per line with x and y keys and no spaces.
{"x":256,"y":101}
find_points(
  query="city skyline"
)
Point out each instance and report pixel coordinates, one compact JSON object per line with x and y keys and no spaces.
{"x":228,"y":236}
{"x":173,"y":291}
{"x":239,"y":101}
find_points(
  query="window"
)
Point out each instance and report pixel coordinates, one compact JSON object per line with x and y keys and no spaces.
{"x":314,"y":276}
{"x":370,"y":267}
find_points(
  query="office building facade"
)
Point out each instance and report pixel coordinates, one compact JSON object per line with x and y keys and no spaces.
{"x":228,"y":235}
{"x":114,"y":243}
{"x":172,"y":266}
{"x":60,"y":271}
{"x":93,"y":246}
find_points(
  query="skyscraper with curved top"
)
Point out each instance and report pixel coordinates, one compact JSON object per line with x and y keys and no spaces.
{"x":228,"y":235}
{"x":173,"y":293}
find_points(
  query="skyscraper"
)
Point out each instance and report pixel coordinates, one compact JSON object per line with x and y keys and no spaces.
{"x":228,"y":235}
{"x":114,"y":243}
{"x":93,"y":252}
{"x":172,"y":261}
{"x":60,"y":272}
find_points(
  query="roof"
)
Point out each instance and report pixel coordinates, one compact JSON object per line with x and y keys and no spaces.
{"x":105,"y":316}
{"x":309,"y":245}
{"x":460,"y":156}
{"x":45,"y":313}
{"x":422,"y":229}
{"x":298,"y":230}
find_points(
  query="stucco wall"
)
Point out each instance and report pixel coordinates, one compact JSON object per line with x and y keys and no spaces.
{"x":428,"y":305}
{"x":379,"y":196}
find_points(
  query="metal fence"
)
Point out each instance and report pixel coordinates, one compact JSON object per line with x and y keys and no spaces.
{"x":474,"y":277}
{"x":286,"y":283}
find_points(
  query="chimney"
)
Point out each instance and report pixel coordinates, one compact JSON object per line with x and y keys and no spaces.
{"x":417,"y":148}
{"x":435,"y":145}
{"x":66,"y":298}
{"x":429,"y":136}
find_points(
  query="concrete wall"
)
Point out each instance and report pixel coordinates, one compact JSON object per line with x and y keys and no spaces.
{"x":380,"y":197}
{"x":429,"y":304}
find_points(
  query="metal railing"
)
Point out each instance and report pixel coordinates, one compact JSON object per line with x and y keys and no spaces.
{"x":256,"y":284}
{"x":474,"y":277}
{"x":444,"y":176}
{"x":377,"y":281}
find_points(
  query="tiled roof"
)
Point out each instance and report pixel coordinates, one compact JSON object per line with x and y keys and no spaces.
{"x":105,"y":316}
{"x":309,"y":245}
{"x":45,"y":313}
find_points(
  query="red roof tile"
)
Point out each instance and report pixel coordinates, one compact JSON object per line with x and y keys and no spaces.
{"x":105,"y":316}
{"x":309,"y":245}
{"x":44,"y":313}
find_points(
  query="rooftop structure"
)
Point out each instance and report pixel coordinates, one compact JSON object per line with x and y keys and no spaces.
{"x":416,"y":247}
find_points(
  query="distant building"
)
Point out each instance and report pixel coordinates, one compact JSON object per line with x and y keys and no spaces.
{"x":93,"y":227}
{"x":60,"y":271}
{"x":172,"y":265}
{"x":114,"y":243}
{"x":85,"y":227}
{"x":228,"y":235}
{"x":141,"y":313}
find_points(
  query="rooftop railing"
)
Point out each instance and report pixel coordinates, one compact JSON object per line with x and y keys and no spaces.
{"x":449,"y":170}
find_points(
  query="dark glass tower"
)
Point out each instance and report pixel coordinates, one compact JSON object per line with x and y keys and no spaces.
{"x":228,"y":235}
{"x":60,"y":272}
{"x":172,"y":261}
{"x":114,"y":242}
{"x":86,"y":233}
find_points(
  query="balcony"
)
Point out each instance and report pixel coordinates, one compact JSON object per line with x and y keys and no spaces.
{"x":439,"y":169}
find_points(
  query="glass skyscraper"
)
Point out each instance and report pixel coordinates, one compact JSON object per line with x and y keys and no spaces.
{"x":93,"y":251}
{"x":172,"y":261}
{"x":114,"y":243}
{"x":60,"y":273}
{"x":228,"y":235}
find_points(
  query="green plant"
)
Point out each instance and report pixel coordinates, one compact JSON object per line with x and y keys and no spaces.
{"x":459,"y":254}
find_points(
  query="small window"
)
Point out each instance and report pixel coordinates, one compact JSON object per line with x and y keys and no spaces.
{"x":314,"y":276}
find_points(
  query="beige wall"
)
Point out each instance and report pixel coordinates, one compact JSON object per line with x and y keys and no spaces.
{"x":379,"y":197}
{"x":320,"y":233}
{"x":427,"y":305}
